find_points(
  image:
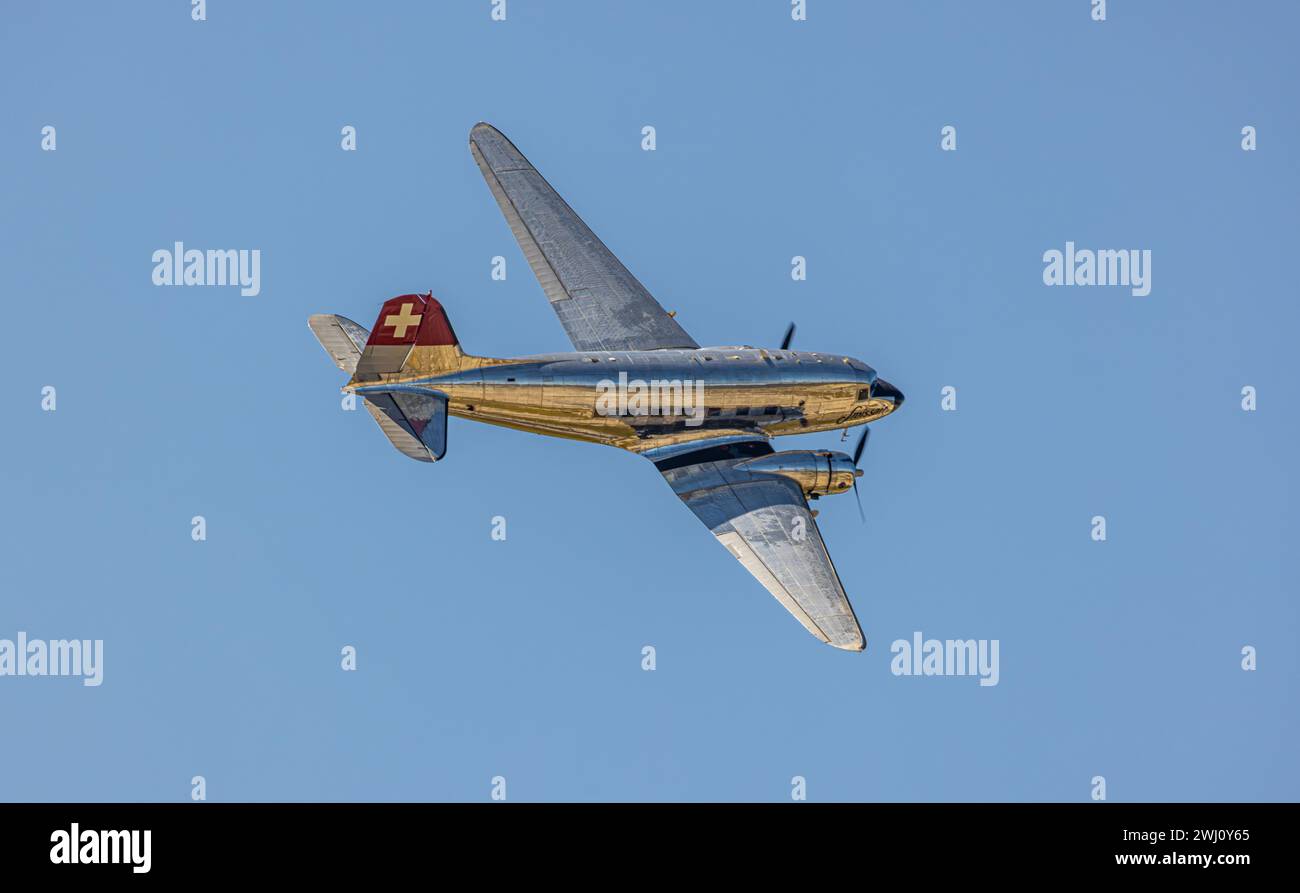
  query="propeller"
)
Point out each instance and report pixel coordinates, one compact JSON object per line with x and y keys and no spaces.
{"x":789,"y":336}
{"x":857,"y":472}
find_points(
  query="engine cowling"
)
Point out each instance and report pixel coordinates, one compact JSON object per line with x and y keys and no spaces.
{"x":817,"y":472}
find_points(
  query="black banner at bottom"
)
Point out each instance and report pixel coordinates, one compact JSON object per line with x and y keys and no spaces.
{"x":336,"y":841}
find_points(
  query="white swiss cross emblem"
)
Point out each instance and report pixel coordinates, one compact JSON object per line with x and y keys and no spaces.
{"x":403,"y":321}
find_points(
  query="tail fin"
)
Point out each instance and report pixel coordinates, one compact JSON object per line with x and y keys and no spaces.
{"x":411,"y":336}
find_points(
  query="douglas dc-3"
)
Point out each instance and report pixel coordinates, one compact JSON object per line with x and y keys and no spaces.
{"x":705,"y":416}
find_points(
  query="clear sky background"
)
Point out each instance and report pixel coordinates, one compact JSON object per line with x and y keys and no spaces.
{"x":522,"y":658}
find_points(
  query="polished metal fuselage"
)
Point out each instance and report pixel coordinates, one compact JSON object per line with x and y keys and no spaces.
{"x":739,"y":389}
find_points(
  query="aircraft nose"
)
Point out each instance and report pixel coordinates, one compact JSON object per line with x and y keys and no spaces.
{"x":886,"y":391}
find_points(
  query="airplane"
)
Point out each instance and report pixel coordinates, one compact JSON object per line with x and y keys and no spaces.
{"x":705,"y":416}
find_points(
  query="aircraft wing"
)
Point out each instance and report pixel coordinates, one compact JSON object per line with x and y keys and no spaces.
{"x":763,"y":521}
{"x":601,"y":305}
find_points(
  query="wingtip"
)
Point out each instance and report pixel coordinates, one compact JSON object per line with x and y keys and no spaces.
{"x":483,"y":128}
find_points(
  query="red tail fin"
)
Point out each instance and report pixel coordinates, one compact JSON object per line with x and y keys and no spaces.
{"x":412,"y":320}
{"x":404,"y":322}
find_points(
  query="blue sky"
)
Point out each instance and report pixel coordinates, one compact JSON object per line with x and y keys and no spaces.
{"x":522,"y":658}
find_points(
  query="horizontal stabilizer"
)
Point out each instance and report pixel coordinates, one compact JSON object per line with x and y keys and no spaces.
{"x":342,"y":339}
{"x":405,"y":443}
{"x":419,"y":415}
{"x":413,"y":419}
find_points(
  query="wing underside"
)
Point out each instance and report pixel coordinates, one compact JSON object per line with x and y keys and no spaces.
{"x":600,"y":303}
{"x":764,"y":522}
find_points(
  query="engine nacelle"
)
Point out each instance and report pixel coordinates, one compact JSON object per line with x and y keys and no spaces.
{"x":817,"y":472}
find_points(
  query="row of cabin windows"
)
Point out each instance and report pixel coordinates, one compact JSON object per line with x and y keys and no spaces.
{"x":774,"y":356}
{"x":709,"y":359}
{"x":717,"y":412}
